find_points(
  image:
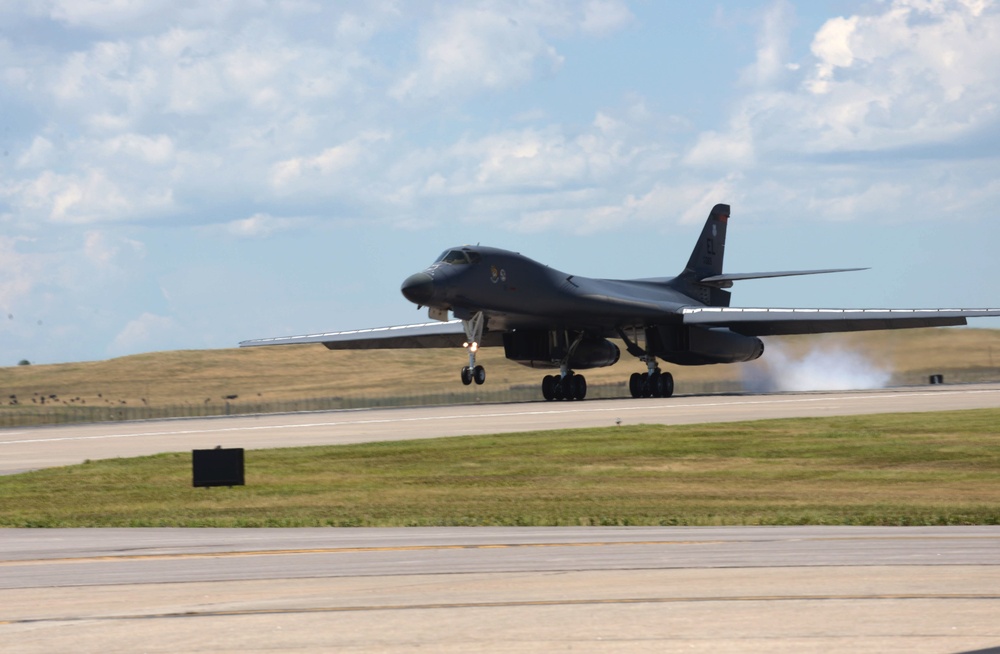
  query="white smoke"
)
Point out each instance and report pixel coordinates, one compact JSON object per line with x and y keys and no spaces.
{"x":823,"y":368}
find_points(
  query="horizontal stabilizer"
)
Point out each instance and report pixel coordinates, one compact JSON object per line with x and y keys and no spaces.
{"x":735,"y":277}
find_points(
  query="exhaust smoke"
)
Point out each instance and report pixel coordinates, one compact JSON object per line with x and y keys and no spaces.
{"x":823,"y":368}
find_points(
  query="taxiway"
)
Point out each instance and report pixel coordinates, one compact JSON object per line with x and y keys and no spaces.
{"x":786,"y":589}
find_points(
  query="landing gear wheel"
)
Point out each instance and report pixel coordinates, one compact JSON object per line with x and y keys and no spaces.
{"x":563,"y":387}
{"x":549,"y":388}
{"x":479,"y":375}
{"x":653,"y":384}
{"x":666,"y":385}
{"x":635,"y":384}
{"x":466,"y":375}
{"x":579,"y":386}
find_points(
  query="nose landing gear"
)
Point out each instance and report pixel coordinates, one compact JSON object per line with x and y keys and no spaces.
{"x":473,"y":334}
{"x":473,"y":374}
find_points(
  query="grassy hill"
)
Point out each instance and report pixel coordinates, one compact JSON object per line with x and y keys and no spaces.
{"x":274,"y":375}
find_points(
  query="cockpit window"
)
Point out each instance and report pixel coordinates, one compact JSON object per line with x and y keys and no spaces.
{"x":458,"y":257}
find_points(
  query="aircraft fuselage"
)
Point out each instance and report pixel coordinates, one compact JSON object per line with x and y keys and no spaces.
{"x":543,"y":311}
{"x":514,"y":291}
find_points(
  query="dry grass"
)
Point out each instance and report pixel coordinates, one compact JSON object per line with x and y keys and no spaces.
{"x":272,"y":374}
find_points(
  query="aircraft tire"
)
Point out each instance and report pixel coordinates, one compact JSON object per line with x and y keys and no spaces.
{"x":667,"y":384}
{"x":579,"y":387}
{"x":479,"y":375}
{"x":653,"y":385}
{"x":466,"y":375}
{"x":564,"y":387}
{"x":645,"y":388}
{"x":549,"y":388}
{"x":635,"y":384}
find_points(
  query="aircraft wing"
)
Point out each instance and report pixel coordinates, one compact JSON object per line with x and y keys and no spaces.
{"x":773,"y":322}
{"x":431,"y":334}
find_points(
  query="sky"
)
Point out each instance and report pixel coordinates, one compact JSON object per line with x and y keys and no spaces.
{"x":184,"y":175}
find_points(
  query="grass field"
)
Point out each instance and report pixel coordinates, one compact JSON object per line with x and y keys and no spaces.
{"x":258,"y":376}
{"x":903,"y":469}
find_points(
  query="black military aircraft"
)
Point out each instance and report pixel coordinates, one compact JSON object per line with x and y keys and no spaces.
{"x":545,"y":318}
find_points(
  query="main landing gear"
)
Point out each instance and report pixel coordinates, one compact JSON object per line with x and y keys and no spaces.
{"x":570,"y":386}
{"x":473,"y":334}
{"x":567,"y":385}
{"x":651,"y":384}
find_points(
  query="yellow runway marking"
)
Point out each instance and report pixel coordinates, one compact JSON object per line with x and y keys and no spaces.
{"x":181,"y":556}
{"x":333,"y":550}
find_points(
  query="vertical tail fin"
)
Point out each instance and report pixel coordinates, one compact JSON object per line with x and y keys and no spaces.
{"x":706,"y":261}
{"x":706,"y":258}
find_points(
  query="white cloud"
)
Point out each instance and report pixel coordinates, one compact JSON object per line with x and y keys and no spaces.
{"x":771,"y":62}
{"x":38,"y":154}
{"x":660,"y":208}
{"x":104,"y":250}
{"x":90,"y":196}
{"x":917,"y":73}
{"x":153,"y":150}
{"x":261,"y":225}
{"x":602,"y":17}
{"x":322,"y":169}
{"x":496,"y":45}
{"x":920,"y":72}
{"x":729,"y":150}
{"x":476,"y":48}
{"x":876,"y":96}
{"x":831,"y":46}
{"x":168,"y":111}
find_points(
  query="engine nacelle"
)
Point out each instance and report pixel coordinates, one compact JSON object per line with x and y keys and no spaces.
{"x":695,"y":346}
{"x":537,"y":348}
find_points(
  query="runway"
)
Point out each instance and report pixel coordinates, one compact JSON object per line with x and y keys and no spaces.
{"x":784,"y":589}
{"x":27,"y":449}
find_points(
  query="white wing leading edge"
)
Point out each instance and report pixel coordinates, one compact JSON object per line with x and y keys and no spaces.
{"x":776,"y":321}
{"x":424,"y":335}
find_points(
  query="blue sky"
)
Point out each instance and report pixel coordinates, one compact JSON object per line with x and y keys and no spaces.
{"x":188,"y":175}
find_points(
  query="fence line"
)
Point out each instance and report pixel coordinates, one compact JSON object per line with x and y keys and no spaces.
{"x":23,"y":416}
{"x":51,"y":414}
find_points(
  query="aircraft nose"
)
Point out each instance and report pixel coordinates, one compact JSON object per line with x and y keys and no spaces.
{"x":418,"y":288}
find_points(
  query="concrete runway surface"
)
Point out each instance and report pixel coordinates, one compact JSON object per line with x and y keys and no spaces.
{"x":27,"y":449}
{"x":787,"y":589}
{"x":781,"y":589}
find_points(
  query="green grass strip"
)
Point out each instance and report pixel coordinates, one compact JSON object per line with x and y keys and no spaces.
{"x":896,"y":469}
